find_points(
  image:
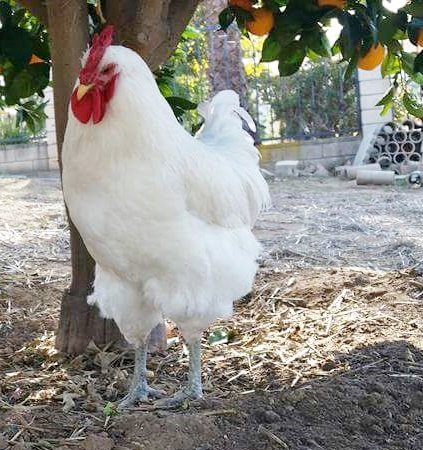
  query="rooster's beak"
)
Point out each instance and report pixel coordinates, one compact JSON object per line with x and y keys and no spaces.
{"x":82,"y":90}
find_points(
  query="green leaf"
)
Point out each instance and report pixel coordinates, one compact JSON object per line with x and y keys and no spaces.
{"x":18,"y":16}
{"x":190,"y":33}
{"x":414,"y":8}
{"x":40,"y":47}
{"x":412,"y":105}
{"x":5,"y":13}
{"x":165,"y":89}
{"x":291,"y":58}
{"x":351,"y":35}
{"x":33,"y":114}
{"x":226,"y":17}
{"x":387,"y":101}
{"x":109,"y":409}
{"x":287,"y":27}
{"x":407,"y":63}
{"x":418,"y":63}
{"x":181,"y":102}
{"x":16,"y":45}
{"x":271,"y":49}
{"x":221,"y":336}
{"x":241,"y":14}
{"x":408,"y":66}
{"x":319,"y":43}
{"x":390,"y":65}
{"x":352,"y":66}
{"x":19,"y":87}
{"x":388,"y":27}
{"x":31,"y":80}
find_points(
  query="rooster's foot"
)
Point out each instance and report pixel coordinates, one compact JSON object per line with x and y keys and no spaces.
{"x":141,"y":395}
{"x":179,"y":398}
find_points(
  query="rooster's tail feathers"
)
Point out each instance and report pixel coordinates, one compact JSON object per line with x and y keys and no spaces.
{"x":223,"y":134}
{"x":222,"y":111}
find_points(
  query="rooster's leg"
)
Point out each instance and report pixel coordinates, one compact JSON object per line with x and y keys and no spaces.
{"x":139,"y":391}
{"x":194,"y":389}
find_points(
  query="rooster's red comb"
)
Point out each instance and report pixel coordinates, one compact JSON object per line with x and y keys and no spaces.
{"x":98,"y":47}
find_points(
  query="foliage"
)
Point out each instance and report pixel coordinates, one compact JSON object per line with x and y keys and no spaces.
{"x":299,"y":35}
{"x":24,"y":64}
{"x":14,"y":130}
{"x":184,"y":76}
{"x":314,"y":102}
{"x":307,"y":105}
{"x":22,"y":36}
{"x":301,"y":31}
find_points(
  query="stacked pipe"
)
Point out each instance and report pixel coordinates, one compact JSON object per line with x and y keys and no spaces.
{"x":397,"y":145}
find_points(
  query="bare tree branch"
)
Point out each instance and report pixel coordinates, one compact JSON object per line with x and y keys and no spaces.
{"x":37,"y":8}
{"x":152,"y":28}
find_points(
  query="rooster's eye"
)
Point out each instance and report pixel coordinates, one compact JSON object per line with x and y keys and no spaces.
{"x":107,"y":70}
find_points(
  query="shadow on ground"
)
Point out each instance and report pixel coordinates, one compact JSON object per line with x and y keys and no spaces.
{"x":376,"y":404}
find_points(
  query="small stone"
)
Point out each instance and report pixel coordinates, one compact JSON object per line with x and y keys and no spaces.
{"x":320,"y":171}
{"x":271,"y":416}
{"x":328,"y":365}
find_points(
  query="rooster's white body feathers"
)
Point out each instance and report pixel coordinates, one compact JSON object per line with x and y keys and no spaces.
{"x":167,"y":217}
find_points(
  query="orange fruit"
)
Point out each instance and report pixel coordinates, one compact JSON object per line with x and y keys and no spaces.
{"x":372,"y":58}
{"x":336,"y":3}
{"x":420,"y":37}
{"x":262,"y":23}
{"x":246,"y":5}
{"x":35,"y":60}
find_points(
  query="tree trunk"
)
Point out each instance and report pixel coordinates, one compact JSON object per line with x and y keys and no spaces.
{"x":152,"y":28}
{"x":79,"y":322}
{"x":226,"y":69}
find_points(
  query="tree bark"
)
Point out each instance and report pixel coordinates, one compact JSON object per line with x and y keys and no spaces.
{"x":226,"y":69}
{"x":152,"y":28}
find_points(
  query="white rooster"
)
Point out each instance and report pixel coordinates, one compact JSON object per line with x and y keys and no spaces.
{"x":167,"y":217}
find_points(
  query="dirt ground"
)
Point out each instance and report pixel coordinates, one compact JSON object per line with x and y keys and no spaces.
{"x":326,"y":353}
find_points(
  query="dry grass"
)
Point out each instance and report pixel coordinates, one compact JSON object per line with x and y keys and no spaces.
{"x":305,"y":313}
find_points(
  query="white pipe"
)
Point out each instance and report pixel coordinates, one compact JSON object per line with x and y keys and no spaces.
{"x":375,"y":177}
{"x":392,"y":147}
{"x":382,"y":138}
{"x":399,"y":157}
{"x":396,"y":168}
{"x":384,"y":160}
{"x":408,"y":147}
{"x":399,"y":136}
{"x":414,"y":157}
{"x":377,"y":147}
{"x":351,"y":171}
{"x":416,"y":136}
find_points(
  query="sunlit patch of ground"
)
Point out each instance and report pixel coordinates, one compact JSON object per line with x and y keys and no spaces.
{"x":326,"y":353}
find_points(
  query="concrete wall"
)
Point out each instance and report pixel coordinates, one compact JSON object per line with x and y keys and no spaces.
{"x":23,"y":158}
{"x":51,"y":131}
{"x":328,"y":152}
{"x":372,"y":88}
{"x":34,"y":156}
